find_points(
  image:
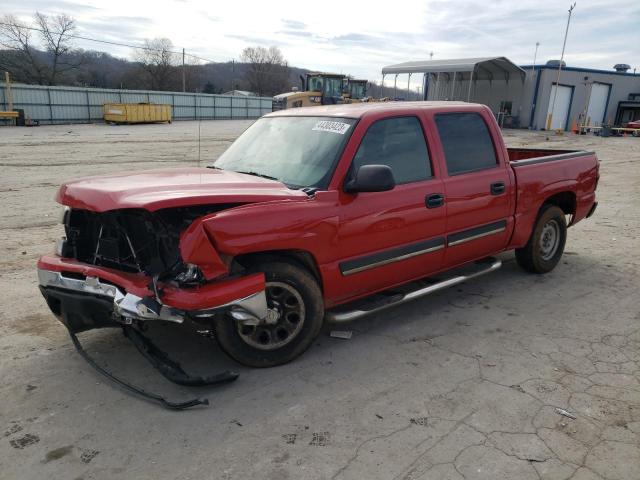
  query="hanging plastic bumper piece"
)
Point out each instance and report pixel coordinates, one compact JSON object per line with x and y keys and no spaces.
{"x":85,"y":302}
{"x":159,"y":359}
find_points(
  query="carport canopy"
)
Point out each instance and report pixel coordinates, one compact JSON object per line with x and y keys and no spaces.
{"x":483,"y":68}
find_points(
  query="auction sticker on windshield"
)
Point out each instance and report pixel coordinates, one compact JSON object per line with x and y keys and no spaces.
{"x":330,"y":126}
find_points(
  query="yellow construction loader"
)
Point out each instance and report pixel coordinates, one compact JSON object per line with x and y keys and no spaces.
{"x":318,"y":89}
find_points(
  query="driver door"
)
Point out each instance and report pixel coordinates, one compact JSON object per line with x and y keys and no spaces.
{"x":388,"y":238}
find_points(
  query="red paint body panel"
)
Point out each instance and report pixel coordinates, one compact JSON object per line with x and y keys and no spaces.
{"x":213,"y":294}
{"x":196,"y":248}
{"x":334,"y":227}
{"x":537,"y":182}
{"x":135,"y":283}
{"x":197,"y":298}
{"x":169,"y":188}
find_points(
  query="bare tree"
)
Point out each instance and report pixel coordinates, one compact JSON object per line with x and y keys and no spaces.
{"x":158,"y":61}
{"x":16,"y":36}
{"x":268,"y":71}
{"x":56,"y":36}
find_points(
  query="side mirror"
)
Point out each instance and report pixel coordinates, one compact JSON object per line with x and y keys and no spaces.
{"x":371,"y":178}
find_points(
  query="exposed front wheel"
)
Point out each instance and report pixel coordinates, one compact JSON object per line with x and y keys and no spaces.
{"x":295,"y":317}
{"x":545,"y":246}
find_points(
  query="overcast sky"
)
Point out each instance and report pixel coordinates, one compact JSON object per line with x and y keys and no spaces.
{"x":360,"y":37}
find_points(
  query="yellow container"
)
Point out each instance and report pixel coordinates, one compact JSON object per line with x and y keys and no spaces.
{"x":137,"y":112}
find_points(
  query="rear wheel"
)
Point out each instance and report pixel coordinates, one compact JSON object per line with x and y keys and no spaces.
{"x":545,"y":246}
{"x":295,"y":317}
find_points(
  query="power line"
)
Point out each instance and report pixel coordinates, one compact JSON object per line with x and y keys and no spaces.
{"x":128,"y":45}
{"x":108,"y":42}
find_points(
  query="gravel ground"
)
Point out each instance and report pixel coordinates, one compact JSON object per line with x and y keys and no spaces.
{"x":462,"y":384}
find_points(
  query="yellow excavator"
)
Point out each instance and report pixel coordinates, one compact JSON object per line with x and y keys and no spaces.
{"x":318,"y":88}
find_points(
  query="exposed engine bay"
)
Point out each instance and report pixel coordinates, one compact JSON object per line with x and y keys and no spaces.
{"x":134,"y":240}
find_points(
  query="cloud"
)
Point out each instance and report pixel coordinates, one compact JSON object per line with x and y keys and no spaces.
{"x":294,"y":24}
{"x":360,"y":37}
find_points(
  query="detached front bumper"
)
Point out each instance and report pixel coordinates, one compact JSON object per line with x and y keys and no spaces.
{"x":84,"y":297}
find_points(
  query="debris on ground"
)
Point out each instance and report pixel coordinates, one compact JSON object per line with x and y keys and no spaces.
{"x":344,"y":334}
{"x":563,"y":412}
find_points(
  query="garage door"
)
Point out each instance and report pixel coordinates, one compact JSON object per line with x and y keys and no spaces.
{"x":563,"y":104}
{"x":597,"y":103}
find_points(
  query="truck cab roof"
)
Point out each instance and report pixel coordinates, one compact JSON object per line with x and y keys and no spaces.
{"x":359,"y":110}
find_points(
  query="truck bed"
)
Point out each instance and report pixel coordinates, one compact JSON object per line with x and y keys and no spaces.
{"x":516,"y":155}
{"x":542,"y":173}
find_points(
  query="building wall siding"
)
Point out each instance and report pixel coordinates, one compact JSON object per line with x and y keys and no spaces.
{"x":84,"y":105}
{"x":621,"y":87}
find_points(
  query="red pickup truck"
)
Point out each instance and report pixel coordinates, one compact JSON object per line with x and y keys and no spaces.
{"x":311,"y":214}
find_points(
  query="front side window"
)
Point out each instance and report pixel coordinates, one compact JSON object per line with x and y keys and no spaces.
{"x":466,"y":142}
{"x":298,"y":151}
{"x":398,"y":143}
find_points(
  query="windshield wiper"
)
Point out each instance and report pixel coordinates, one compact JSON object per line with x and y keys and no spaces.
{"x":256,"y":174}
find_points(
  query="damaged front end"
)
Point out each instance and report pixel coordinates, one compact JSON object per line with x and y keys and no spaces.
{"x":125,"y":268}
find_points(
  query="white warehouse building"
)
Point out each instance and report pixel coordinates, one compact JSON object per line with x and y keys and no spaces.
{"x":522,"y":96}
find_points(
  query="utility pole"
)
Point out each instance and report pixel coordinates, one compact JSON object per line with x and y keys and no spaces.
{"x":184,"y":83}
{"x":233,"y":74}
{"x":533,"y":73}
{"x":9,"y":94}
{"x":564,"y":44}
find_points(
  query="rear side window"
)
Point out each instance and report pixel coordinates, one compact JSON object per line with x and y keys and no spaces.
{"x":466,"y":142}
{"x":398,"y":143}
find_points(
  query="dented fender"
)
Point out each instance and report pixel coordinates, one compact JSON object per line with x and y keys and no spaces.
{"x":197,"y":248}
{"x":309,"y":225}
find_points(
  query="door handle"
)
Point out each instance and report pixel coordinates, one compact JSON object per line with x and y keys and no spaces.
{"x":434,"y":200}
{"x":497,"y":188}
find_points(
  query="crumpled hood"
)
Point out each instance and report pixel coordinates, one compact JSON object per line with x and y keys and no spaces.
{"x":168,"y":188}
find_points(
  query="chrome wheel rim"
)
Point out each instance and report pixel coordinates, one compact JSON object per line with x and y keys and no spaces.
{"x":286,"y":317}
{"x":549,"y":239}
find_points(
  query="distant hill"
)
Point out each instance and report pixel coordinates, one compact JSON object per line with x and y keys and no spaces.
{"x":101,"y":70}
{"x":89,"y":68}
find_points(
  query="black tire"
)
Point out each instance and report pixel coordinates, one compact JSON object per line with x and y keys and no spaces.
{"x":544,"y":249}
{"x":301,"y":293}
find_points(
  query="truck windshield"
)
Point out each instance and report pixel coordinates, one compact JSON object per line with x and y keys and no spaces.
{"x":298,"y":151}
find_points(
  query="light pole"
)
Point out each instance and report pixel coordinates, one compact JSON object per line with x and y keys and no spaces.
{"x":564,"y":44}
{"x":533,"y":74}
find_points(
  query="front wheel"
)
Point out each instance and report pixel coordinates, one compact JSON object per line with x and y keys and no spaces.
{"x":545,"y":246}
{"x":296,"y":311}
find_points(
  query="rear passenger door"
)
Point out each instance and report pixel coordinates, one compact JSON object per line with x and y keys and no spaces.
{"x":477,"y":188}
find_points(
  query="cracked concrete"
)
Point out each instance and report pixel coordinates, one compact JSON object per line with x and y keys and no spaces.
{"x":463,"y":385}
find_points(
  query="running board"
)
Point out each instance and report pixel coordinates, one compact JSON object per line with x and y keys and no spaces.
{"x":482,"y":267}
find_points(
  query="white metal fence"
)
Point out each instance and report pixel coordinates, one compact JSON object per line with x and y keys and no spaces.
{"x":84,"y":105}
